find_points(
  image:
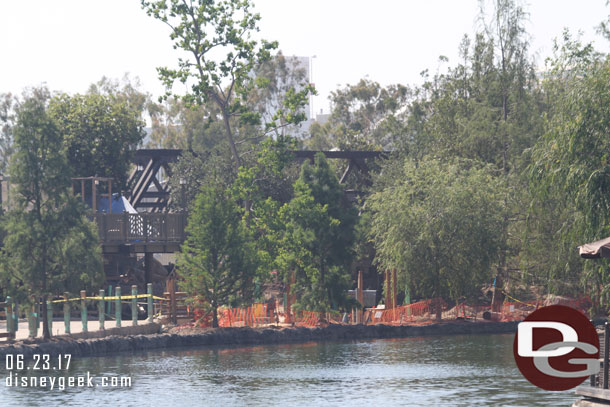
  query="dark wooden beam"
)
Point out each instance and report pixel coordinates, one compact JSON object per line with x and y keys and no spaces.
{"x":151,"y":204}
{"x":346,"y":173}
{"x":348,"y":155}
{"x":161,"y":194}
{"x":151,"y":160}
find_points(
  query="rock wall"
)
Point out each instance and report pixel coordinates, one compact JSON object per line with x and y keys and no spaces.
{"x":248,"y":336}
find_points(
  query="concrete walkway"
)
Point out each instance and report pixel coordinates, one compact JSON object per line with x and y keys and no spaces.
{"x":76,"y":327}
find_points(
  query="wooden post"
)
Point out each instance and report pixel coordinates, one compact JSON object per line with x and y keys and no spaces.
{"x":171,"y":283}
{"x":293,"y":294}
{"x":388,"y":291}
{"x":134,"y":305}
{"x":287,"y":305}
{"x":83,"y":309}
{"x":109,"y":303}
{"x":82,"y":190}
{"x":50,"y":317}
{"x":148,"y":260}
{"x":103,"y":225}
{"x":109,"y":196}
{"x":33,"y":321}
{"x":125,"y":226}
{"x":94,"y":195}
{"x":496,"y":297}
{"x":394,"y":299}
{"x":101,"y":315}
{"x":10,"y":322}
{"x":360,"y":298}
{"x":117,"y":306}
{"x":606,"y":367}
{"x":149,"y":291}
{"x":16,"y":317}
{"x":145,"y":227}
{"x":67,"y":313}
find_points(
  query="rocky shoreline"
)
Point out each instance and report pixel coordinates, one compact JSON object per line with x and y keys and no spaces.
{"x":246,"y":337}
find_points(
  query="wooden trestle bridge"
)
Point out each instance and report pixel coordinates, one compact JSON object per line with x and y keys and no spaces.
{"x":154,"y":229}
{"x":147,"y":193}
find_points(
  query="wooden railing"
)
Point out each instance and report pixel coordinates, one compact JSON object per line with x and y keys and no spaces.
{"x":8,"y":315}
{"x":596,"y":391}
{"x":141,"y":227}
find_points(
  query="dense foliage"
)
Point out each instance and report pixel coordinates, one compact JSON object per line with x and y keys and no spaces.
{"x":100,"y":132}
{"x":317,"y":241}
{"x":218,"y":261}
{"x":441,"y":224}
{"x":50,"y":246}
{"x":495,"y":171}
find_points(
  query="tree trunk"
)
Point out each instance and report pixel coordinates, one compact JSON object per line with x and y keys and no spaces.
{"x":45,"y":321}
{"x":215,"y":317}
{"x":225,"y":118}
{"x":437,"y":300}
{"x":439,"y":309}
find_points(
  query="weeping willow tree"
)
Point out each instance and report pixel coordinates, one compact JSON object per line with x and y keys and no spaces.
{"x":441,"y":225}
{"x":570,"y":173}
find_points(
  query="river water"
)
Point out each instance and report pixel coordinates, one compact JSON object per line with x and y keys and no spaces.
{"x":437,"y":371}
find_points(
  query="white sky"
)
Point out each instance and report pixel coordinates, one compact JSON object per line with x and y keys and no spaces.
{"x":69,"y":44}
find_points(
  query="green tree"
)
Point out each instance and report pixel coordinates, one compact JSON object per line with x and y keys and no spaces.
{"x":604,"y":27}
{"x":317,"y":240}
{"x":127,"y":90}
{"x":100,"y":132}
{"x":440,"y":224}
{"x":368,"y":116}
{"x":218,"y":260}
{"x":268,"y":184}
{"x":224,"y":65}
{"x":570,"y":166}
{"x":279,"y":95}
{"x":7,"y":118}
{"x":217,"y":37}
{"x":178,"y":125}
{"x":50,"y":246}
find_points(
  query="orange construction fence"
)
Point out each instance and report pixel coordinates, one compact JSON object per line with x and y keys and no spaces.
{"x":420,"y":312}
{"x":415,"y":312}
{"x":307,"y":318}
{"x":463,"y":310}
{"x":519,"y":310}
{"x":256,"y":314}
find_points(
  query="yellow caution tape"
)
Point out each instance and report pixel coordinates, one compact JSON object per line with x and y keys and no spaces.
{"x":516,"y":300}
{"x":122,"y":297}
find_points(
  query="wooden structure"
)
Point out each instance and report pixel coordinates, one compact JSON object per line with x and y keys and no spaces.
{"x":94,"y":184}
{"x":174,"y":307}
{"x":356,"y":160}
{"x":10,"y":323}
{"x":596,"y":390}
{"x":126,"y":234}
{"x":148,"y":192}
{"x":141,"y":232}
{"x":153,"y":229}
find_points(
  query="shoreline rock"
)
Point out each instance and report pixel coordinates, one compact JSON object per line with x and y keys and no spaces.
{"x":248,"y":337}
